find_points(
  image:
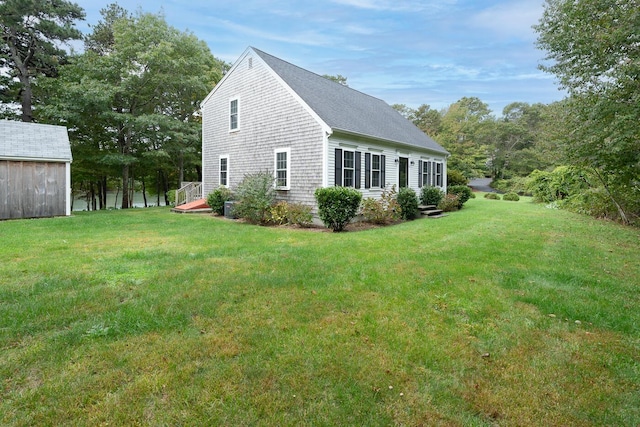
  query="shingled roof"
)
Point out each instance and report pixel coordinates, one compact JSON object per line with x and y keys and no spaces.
{"x":33,"y":141}
{"x":345,"y":109}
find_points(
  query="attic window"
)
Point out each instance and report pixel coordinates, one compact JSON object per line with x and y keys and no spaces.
{"x":250,"y":63}
{"x":233,"y":115}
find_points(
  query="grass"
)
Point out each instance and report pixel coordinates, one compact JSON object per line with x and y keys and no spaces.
{"x":500,"y":314}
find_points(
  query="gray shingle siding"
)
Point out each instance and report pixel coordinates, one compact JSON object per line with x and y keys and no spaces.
{"x":20,"y":140}
{"x":270,"y":117}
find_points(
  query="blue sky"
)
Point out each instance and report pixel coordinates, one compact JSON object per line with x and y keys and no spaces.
{"x":407,"y":52}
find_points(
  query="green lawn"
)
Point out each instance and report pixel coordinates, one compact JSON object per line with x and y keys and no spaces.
{"x":505,"y":313}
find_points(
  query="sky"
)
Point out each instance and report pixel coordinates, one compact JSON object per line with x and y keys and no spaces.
{"x":409,"y":52}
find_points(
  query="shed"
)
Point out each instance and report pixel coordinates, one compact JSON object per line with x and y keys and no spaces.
{"x":35,"y":170}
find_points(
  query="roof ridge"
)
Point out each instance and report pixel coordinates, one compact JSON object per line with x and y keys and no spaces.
{"x":261,"y":52}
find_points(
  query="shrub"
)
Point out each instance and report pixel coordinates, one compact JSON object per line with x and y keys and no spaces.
{"x":492,"y":196}
{"x":278,"y":213}
{"x":563,"y":182}
{"x":455,"y":177}
{"x":255,"y":195}
{"x":516,"y":185}
{"x":217,"y":197}
{"x":449,"y":203}
{"x":290,"y":213}
{"x":381,"y":211}
{"x":408,"y":202}
{"x":463,"y":192}
{"x":513,"y":197}
{"x":171,"y":197}
{"x":431,"y":195}
{"x":299,"y":214}
{"x":337,"y":206}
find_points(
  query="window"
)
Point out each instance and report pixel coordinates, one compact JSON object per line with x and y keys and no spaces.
{"x":224,"y":171}
{"x":347,"y":168}
{"x":233,"y":115}
{"x":282,"y":168}
{"x":374,"y":170}
{"x":438,"y":174}
{"x":430,"y":173}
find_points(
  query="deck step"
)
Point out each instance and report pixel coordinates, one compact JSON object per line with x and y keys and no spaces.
{"x":199,"y":205}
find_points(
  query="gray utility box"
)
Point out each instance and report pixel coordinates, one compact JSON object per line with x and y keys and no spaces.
{"x":228,"y":209}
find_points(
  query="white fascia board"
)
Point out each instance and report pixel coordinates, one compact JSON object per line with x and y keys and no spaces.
{"x":224,"y":77}
{"x":395,"y":143}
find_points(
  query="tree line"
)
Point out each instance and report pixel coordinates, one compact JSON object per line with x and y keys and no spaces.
{"x":131,"y":99}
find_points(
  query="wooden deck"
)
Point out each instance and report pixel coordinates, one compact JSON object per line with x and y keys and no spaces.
{"x":197,"y":206}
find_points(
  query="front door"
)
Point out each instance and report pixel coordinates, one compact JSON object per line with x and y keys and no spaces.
{"x":403,"y":177}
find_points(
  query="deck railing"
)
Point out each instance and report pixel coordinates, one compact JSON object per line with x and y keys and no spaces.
{"x":189,"y":192}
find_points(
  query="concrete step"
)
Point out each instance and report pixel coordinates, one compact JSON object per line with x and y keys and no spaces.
{"x":426,"y":207}
{"x":432,"y":212}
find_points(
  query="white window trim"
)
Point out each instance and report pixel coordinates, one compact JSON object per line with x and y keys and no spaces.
{"x":344,"y":169}
{"x":226,"y":156}
{"x":288,"y":169}
{"x":237,"y":128}
{"x":379,"y":170}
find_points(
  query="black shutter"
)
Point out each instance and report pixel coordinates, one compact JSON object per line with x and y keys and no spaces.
{"x":338,"y":176}
{"x":383,"y":166}
{"x":358,"y":168}
{"x":367,"y":170}
{"x":420,"y":173}
{"x":429,"y":177}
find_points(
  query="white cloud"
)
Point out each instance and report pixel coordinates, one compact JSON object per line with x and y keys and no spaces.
{"x":510,"y":19}
{"x":392,"y":5}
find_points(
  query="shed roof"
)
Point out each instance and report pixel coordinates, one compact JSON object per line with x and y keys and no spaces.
{"x":34,"y":141}
{"x":348,"y":110}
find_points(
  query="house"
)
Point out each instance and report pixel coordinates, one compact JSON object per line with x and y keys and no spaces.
{"x":311,"y":132}
{"x":35,"y":170}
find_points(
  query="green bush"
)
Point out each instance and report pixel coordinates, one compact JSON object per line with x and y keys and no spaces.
{"x":513,"y":197}
{"x":337,"y":206}
{"x":278,"y":213}
{"x":463,"y":192}
{"x":283,"y":213}
{"x":449,"y":203}
{"x":408,"y":202}
{"x":455,"y":177}
{"x":381,"y":211}
{"x":492,"y":196}
{"x":431,"y":195}
{"x":217,"y":197}
{"x":255,"y":195}
{"x":171,"y":197}
{"x":299,"y":214}
{"x":563,"y":182}
{"x":516,"y":185}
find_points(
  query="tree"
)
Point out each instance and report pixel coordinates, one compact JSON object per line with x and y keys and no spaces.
{"x":426,"y":118}
{"x":31,"y":34}
{"x":517,"y":143}
{"x":132,"y":99}
{"x":593,"y":49}
{"x":466,"y":132}
{"x":339,"y":78}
